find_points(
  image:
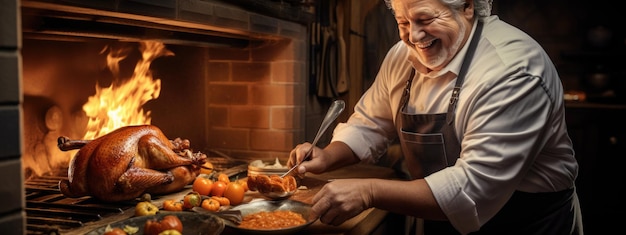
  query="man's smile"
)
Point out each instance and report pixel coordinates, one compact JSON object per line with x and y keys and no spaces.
{"x":426,"y":44}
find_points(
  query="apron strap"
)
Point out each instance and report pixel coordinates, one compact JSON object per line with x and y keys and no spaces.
{"x":406,"y":92}
{"x":461,"y":77}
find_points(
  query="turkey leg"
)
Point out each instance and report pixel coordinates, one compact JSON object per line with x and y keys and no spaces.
{"x":182,"y":176}
{"x":138,"y":179}
{"x":65,"y":144}
{"x":160,"y":156}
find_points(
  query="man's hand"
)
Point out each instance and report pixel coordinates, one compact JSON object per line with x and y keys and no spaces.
{"x":341,"y":200}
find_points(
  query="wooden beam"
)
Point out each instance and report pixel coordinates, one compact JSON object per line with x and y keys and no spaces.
{"x":358,"y":10}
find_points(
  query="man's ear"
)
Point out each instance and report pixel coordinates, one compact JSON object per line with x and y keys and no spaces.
{"x":468,"y":9}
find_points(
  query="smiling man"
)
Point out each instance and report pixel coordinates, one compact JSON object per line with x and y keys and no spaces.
{"x":432,"y":31}
{"x":477,"y":106}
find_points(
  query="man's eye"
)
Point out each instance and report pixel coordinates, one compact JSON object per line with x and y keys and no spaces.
{"x":427,"y":20}
{"x":404,"y":24}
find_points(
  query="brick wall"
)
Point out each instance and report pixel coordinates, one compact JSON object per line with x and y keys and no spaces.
{"x":256,"y":104}
{"x":12,"y":215}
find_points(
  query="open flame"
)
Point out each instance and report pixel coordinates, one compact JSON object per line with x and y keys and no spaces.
{"x":121,"y":103}
{"x":112,"y":107}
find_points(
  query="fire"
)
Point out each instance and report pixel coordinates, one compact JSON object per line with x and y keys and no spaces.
{"x":121,"y":103}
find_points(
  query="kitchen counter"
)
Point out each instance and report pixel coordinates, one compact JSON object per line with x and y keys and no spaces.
{"x":364,"y":223}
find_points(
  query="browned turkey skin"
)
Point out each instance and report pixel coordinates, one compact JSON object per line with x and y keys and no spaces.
{"x":129,"y":162}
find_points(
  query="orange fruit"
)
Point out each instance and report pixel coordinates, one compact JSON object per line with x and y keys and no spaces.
{"x":218,"y":188}
{"x":202,"y":185}
{"x":223,"y":177}
{"x":222,"y":200}
{"x":191,"y":200}
{"x":235,"y":192}
{"x":210,"y":204}
{"x":207,"y":168}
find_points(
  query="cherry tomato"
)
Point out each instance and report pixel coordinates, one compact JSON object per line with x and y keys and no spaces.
{"x":224,"y":201}
{"x":168,"y":222}
{"x":211,"y":204}
{"x":172,"y":205}
{"x":223,"y":177}
{"x":202,"y":185}
{"x":145,"y":208}
{"x":234,"y":192}
{"x":218,"y":189}
{"x":191,"y":200}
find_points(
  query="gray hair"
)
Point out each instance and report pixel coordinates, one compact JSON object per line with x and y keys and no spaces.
{"x":482,"y":8}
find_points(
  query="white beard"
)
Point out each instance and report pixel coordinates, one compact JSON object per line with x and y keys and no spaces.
{"x":446,"y":54}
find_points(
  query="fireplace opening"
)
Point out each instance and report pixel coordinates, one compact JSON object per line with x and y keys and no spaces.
{"x":235,"y":93}
{"x":83,"y":90}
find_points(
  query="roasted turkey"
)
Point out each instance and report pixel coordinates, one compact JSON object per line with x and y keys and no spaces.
{"x":128,"y":162}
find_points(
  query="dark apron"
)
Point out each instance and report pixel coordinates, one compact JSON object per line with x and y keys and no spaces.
{"x":429,"y":144}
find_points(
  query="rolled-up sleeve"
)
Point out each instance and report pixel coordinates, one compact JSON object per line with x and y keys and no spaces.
{"x":371,"y":127}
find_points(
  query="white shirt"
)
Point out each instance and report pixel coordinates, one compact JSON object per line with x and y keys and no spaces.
{"x":509,"y":120}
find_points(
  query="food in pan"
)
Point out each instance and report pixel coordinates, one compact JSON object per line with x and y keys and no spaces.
{"x":298,"y":208}
{"x":272,"y":220}
{"x":129,"y":162}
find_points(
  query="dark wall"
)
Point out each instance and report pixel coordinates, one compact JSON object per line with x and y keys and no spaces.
{"x":585,"y":39}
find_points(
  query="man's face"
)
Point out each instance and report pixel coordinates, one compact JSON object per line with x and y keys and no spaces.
{"x":434,"y":32}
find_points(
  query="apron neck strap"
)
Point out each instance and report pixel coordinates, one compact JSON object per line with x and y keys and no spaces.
{"x":461,"y":77}
{"x":406,"y":92}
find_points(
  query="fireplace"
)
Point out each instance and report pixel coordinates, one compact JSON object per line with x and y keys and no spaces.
{"x":230,"y":79}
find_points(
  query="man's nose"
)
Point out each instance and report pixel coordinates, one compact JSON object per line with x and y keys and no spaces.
{"x":416,"y":33}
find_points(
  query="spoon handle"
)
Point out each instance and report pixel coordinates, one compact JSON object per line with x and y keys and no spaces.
{"x":308,"y":154}
{"x":333,"y":112}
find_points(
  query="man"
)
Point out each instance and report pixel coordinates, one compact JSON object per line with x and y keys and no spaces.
{"x":477,"y":107}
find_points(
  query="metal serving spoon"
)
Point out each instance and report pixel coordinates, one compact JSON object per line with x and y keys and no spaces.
{"x":335,"y":109}
{"x":333,"y":112}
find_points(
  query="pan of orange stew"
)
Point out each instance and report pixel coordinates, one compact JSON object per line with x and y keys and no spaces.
{"x":272,"y":217}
